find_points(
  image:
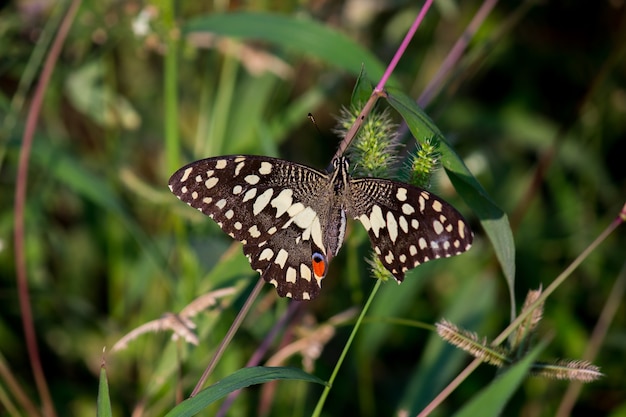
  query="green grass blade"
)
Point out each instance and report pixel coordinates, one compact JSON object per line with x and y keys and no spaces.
{"x":492,"y":399}
{"x":104,"y":400}
{"x":298,"y":34}
{"x":237,"y":380}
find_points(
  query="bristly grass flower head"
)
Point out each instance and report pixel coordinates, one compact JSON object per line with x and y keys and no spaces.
{"x":424,"y":162}
{"x":374,"y":152}
{"x":519,"y":345}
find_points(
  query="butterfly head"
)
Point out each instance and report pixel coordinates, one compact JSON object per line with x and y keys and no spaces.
{"x":341,"y":163}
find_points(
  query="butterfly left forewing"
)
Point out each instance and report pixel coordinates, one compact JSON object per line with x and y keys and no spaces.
{"x":407,"y":226}
{"x":266,"y":204}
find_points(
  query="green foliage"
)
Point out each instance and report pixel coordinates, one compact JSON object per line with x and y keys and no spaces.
{"x":104,"y":400}
{"x":240,"y":379}
{"x":528,"y":129}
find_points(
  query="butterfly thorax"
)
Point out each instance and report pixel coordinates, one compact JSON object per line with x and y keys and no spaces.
{"x":333,"y":206}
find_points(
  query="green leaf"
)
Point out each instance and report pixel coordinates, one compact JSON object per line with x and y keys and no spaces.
{"x":104,"y":400}
{"x":494,"y":221}
{"x":362,"y":90}
{"x":493,"y":398}
{"x":298,"y":34}
{"x":240,"y":379}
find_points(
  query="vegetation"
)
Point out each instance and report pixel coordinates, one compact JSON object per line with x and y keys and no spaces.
{"x":102,"y":101}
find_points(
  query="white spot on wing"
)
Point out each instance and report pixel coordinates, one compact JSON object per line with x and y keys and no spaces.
{"x":295,"y":209}
{"x":266,"y":254}
{"x":252,"y":179}
{"x":365,"y":221}
{"x":401,"y":194}
{"x":389,"y":257}
{"x":438,"y":227}
{"x":305,"y":218}
{"x":221,"y":164}
{"x":249,"y":195}
{"x":221,"y":204}
{"x":282,"y":201}
{"x":266,"y":168}
{"x":377,"y":220}
{"x":238,"y":167}
{"x":281,"y":258}
{"x":316,"y":233}
{"x":404,"y":225}
{"x":254,"y":232}
{"x":211,"y":182}
{"x":437,"y":206}
{"x":305,"y":272}
{"x":186,"y":174}
{"x":392,"y":226}
{"x":262,"y":201}
{"x":291,"y":275}
{"x":461,"y":228}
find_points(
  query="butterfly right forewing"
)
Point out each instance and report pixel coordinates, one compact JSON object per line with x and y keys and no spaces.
{"x":407,"y":225}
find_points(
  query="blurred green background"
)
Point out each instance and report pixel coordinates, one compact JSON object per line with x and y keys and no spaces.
{"x":536,"y":108}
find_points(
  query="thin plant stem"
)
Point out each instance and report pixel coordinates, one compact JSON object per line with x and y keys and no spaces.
{"x":260,"y":352}
{"x":26,"y":79}
{"x":540,"y":300}
{"x":598,"y":335}
{"x":402,"y":48}
{"x":20,"y":208}
{"x":170,"y":86}
{"x":455,"y":53}
{"x":229,"y":336}
{"x":12,"y":384}
{"x":561,"y":278}
{"x":320,"y":403}
{"x":380,"y":87}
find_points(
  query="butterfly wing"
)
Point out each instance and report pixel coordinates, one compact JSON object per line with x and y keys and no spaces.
{"x":407,"y":225}
{"x":266,"y":204}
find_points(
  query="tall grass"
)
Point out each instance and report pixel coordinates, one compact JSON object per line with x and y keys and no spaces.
{"x":535,"y":116}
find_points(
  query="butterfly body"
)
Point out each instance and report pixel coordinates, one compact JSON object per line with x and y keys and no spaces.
{"x":291,"y":218}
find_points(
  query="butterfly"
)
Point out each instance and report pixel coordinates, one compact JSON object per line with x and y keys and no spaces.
{"x":291,"y":218}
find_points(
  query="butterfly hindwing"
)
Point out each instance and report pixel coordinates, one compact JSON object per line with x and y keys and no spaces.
{"x":407,"y":226}
{"x":285,"y":264}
